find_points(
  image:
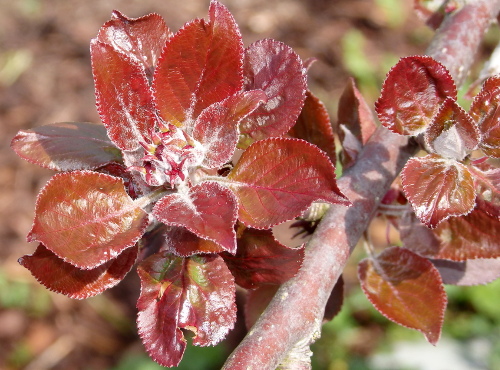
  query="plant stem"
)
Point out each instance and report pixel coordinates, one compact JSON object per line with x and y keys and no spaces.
{"x":296,"y":311}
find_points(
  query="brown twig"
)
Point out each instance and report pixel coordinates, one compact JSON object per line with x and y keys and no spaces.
{"x":294,"y":316}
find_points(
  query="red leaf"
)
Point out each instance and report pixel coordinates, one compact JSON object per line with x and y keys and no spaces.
{"x":86,"y":218}
{"x":314,"y":126}
{"x":438,"y":188}
{"x":66,"y":146}
{"x":200,"y":65}
{"x":196,"y":293}
{"x":62,"y":277}
{"x":275,"y":68}
{"x":277,"y":179}
{"x":355,"y":113}
{"x":411,"y":94}
{"x":141,"y":39}
{"x":257,"y":301}
{"x":207,"y":210}
{"x":487,"y":183}
{"x":476,"y":235}
{"x":469,"y":272}
{"x":217,"y":126}
{"x":261,"y":259}
{"x":124,"y":98}
{"x":485,"y":109}
{"x":407,"y":289}
{"x":453,"y":133}
{"x":179,"y":241}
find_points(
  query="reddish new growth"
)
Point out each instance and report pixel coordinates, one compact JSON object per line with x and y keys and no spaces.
{"x":194,"y":163}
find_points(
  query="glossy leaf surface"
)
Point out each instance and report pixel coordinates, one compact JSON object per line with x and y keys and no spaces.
{"x":207,"y":210}
{"x":276,"y":180}
{"x":411,"y":94}
{"x":453,"y":133}
{"x":200,"y":65}
{"x":355,"y":113}
{"x":196,"y":293}
{"x":124,"y":98}
{"x":469,"y":272}
{"x":476,"y":235}
{"x":261,"y":259}
{"x":141,"y":39}
{"x":66,"y":146}
{"x":407,"y":289}
{"x":314,"y":126}
{"x":438,"y":188}
{"x":485,"y":109}
{"x":275,"y":68}
{"x":86,"y":218}
{"x":62,"y":277}
{"x":217,"y":126}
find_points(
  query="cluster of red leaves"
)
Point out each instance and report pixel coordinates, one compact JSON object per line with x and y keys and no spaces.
{"x":195,"y":161}
{"x":452,"y":235}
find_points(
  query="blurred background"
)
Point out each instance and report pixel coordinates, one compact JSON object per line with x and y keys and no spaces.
{"x":45,"y":77}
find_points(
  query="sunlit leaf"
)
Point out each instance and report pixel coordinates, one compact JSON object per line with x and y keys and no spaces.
{"x":405,"y":288}
{"x":469,"y":272}
{"x":200,"y":65}
{"x":261,"y":259}
{"x":196,"y":293}
{"x":487,"y":183}
{"x":355,"y":113}
{"x":476,"y":235}
{"x":217,"y":126}
{"x":62,"y":277}
{"x":452,"y":133}
{"x":86,"y":218}
{"x":275,"y":68}
{"x":207,"y":210}
{"x":314,"y":126}
{"x":141,"y":39}
{"x":411,"y":94}
{"x":277,"y":179}
{"x":485,"y":109}
{"x":438,"y":188}
{"x":179,"y":241}
{"x":66,"y":146}
{"x":124,"y":98}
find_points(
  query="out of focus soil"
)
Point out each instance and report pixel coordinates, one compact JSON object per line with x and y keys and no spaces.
{"x":45,"y":77}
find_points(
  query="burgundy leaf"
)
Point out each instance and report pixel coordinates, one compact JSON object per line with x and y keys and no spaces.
{"x":261,"y":259}
{"x":141,"y":39}
{"x":476,"y":235}
{"x":275,"y":68}
{"x":179,"y":241}
{"x":453,"y":133}
{"x":66,"y":146}
{"x":62,"y":277}
{"x":207,"y":210}
{"x":469,"y":272}
{"x":432,"y":17}
{"x":411,"y":94}
{"x":200,"y":65}
{"x":314,"y":126}
{"x":196,"y":293}
{"x":355,"y":113}
{"x":86,"y":218}
{"x":335,"y":301}
{"x":485,"y":109}
{"x":277,"y":179}
{"x":351,"y":147}
{"x":217,"y":126}
{"x":487,"y":183}
{"x":257,"y":301}
{"x":407,"y":289}
{"x":124,"y":98}
{"x":134,"y":190}
{"x":438,"y":188}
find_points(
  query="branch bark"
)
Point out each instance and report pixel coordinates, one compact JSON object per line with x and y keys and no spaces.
{"x":294,"y":316}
